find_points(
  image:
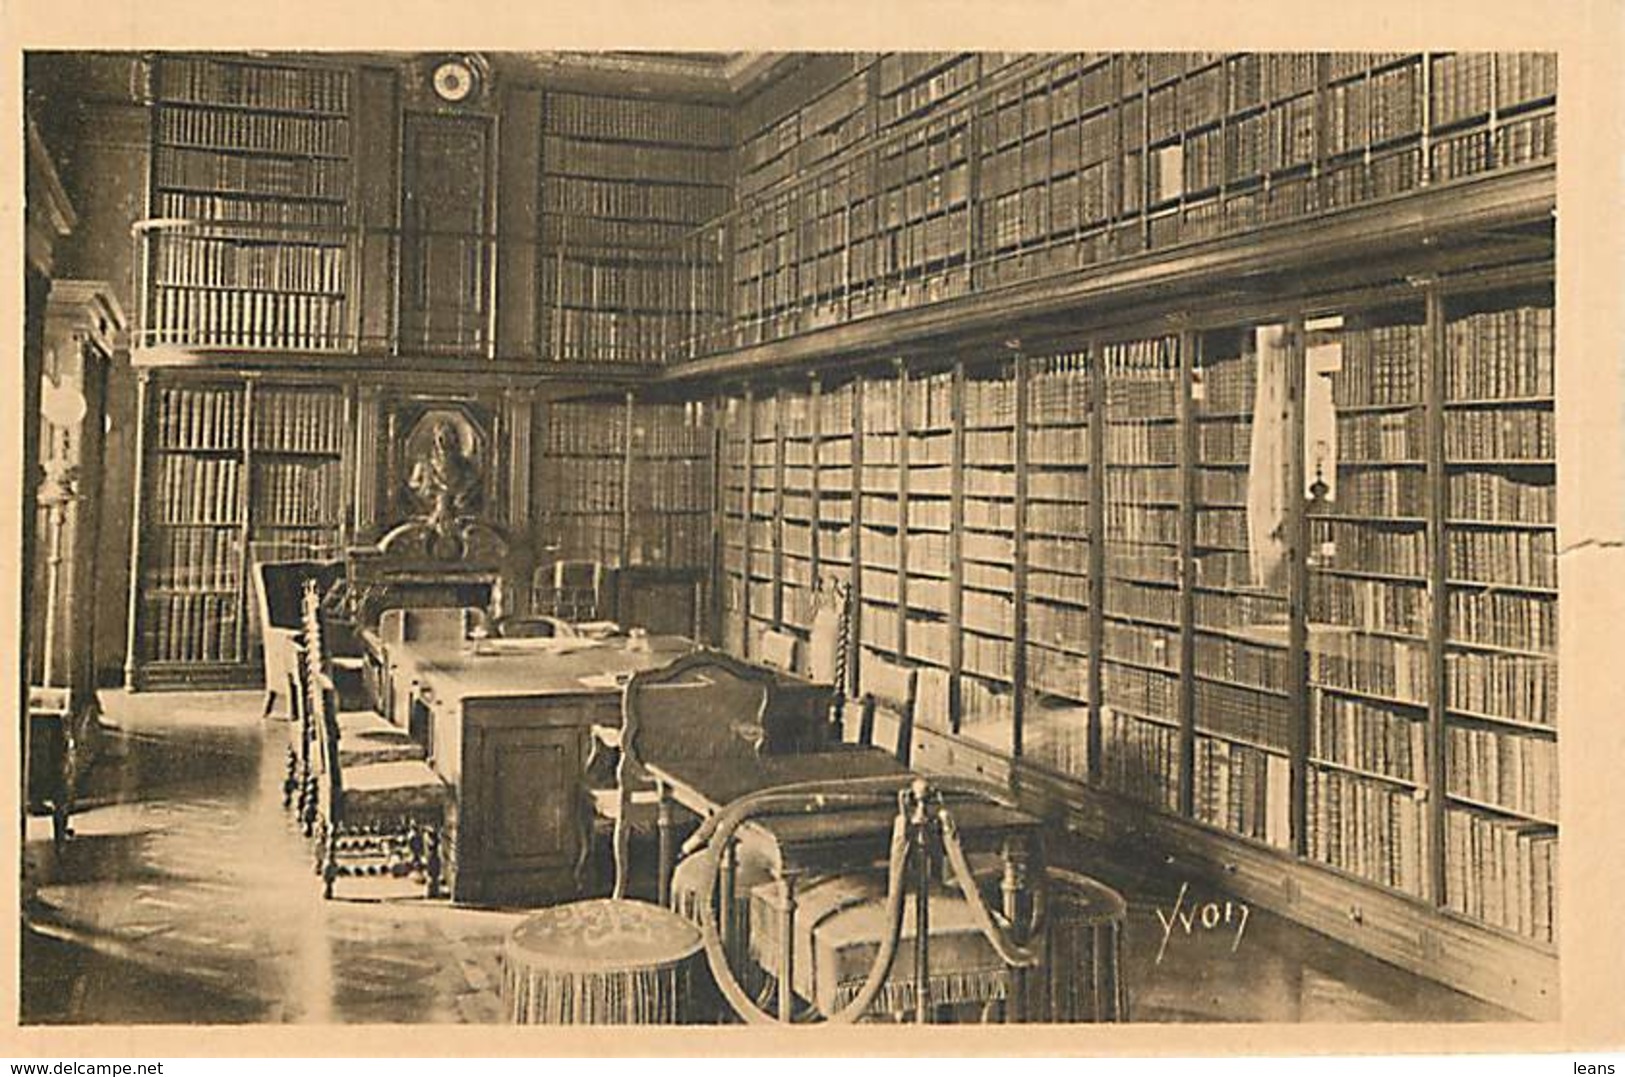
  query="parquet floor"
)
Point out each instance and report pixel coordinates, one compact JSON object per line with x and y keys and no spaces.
{"x":187,"y":896}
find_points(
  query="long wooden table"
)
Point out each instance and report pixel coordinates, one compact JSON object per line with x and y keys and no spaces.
{"x":509,"y":731}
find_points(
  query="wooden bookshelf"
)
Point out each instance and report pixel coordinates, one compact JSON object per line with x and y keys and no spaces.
{"x":623,"y":182}
{"x":234,"y":469}
{"x":869,"y":185}
{"x":252,"y":176}
{"x":1191,"y":571}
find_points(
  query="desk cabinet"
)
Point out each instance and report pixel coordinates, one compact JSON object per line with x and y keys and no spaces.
{"x":520,"y":826}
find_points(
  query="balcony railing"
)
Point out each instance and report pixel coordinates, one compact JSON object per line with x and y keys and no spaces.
{"x":251,"y":287}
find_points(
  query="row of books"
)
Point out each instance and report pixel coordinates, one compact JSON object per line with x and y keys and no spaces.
{"x":1506,"y":558}
{"x":1497,"y":768}
{"x":1212,"y":610}
{"x":1350,"y":545}
{"x":1368,"y":736}
{"x":1263,"y":719}
{"x":237,"y":318}
{"x":1502,"y":871}
{"x":286,"y":177}
{"x":239,"y":131}
{"x":194,"y":559}
{"x":645,"y":163}
{"x":1222,"y":528}
{"x":1225,"y":442}
{"x":910,"y":98}
{"x":1368,"y":828}
{"x":251,"y":85}
{"x":1071,"y":588}
{"x":1500,"y":434}
{"x":299,"y":420}
{"x":181,"y":259}
{"x":1498,"y":496}
{"x":1388,"y":492}
{"x":631,"y":119}
{"x":198,"y":418}
{"x":1498,"y":619}
{"x":585,"y":429}
{"x":1139,"y":759}
{"x":197,"y":490}
{"x":1070,"y":486}
{"x":1382,"y":437}
{"x":1521,"y":688}
{"x":1502,"y":354}
{"x":585,"y":484}
{"x":582,"y":198}
{"x":242,"y":208}
{"x":670,"y":485}
{"x":1054,"y":518}
{"x":613,"y":336}
{"x":618,"y":285}
{"x":1368,"y":605}
{"x":1140,"y":442}
{"x":298,"y":493}
{"x":1055,"y":728}
{"x":1370,"y":665}
{"x":1141,"y":524}
{"x":1240,"y":662}
{"x":1469,"y":84}
{"x":1243,"y":790}
{"x":191,"y":628}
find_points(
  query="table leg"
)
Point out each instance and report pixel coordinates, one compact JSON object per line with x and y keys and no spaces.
{"x":787,"y":946}
{"x":1012,"y":887}
{"x":663,"y":828}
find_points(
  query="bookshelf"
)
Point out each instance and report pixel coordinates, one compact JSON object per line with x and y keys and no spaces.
{"x":873,"y":184}
{"x":623,"y":181}
{"x":1277,"y":580}
{"x":235,"y":470}
{"x":252,"y":167}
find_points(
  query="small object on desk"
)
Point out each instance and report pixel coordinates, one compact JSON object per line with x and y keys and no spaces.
{"x":600,"y":629}
{"x":604,"y":680}
{"x":637,"y":640}
{"x":537,"y":645}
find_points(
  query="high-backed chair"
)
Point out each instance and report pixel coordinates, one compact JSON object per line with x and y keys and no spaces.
{"x":429,"y":623}
{"x":364,"y":736}
{"x":278,"y":587}
{"x":374,"y":818}
{"x":571,"y":590}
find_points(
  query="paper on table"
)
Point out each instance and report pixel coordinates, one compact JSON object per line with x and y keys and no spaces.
{"x":538,"y":644}
{"x":604,"y":680}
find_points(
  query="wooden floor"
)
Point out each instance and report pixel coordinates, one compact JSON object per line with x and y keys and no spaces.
{"x":187,"y":896}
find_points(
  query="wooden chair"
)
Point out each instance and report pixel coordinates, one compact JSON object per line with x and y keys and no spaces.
{"x":374,"y":818}
{"x":364,"y":736}
{"x":408,"y":625}
{"x":278,"y":588}
{"x":570,"y":590}
{"x":777,"y":649}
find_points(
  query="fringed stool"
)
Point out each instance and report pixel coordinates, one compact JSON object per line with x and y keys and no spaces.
{"x":602,"y":962}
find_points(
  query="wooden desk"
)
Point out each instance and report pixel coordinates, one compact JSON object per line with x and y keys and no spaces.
{"x":832,"y":839}
{"x":509,"y":732}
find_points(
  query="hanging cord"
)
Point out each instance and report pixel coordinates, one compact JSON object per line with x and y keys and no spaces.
{"x":717,"y":831}
{"x":997,"y":929}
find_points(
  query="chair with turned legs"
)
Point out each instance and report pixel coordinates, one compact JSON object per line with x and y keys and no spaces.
{"x":370,"y":817}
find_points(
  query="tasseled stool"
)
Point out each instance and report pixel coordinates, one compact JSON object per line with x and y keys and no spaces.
{"x":602,"y":962}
